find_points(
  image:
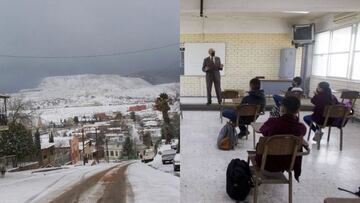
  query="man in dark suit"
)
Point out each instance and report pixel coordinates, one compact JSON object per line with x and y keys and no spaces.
{"x":212,"y":66}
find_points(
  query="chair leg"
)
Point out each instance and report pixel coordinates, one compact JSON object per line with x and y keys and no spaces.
{"x":308,"y":138}
{"x":290,"y":187}
{"x":247,"y":129}
{"x":341,"y":139}
{"x":328,"y":138}
{"x":221,"y":111}
{"x":318,"y":144}
{"x":254,"y":138}
{"x":236,"y":137}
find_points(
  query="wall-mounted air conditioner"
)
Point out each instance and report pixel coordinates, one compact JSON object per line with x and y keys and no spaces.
{"x":345,"y":17}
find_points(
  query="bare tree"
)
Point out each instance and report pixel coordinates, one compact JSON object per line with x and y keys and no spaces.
{"x":21,"y":112}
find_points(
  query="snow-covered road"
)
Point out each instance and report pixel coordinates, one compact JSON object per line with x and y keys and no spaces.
{"x":44,"y":186}
{"x":152,"y":186}
{"x":158,"y":164}
{"x":114,"y":182}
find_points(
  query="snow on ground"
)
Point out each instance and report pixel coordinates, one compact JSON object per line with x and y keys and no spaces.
{"x":40,"y":187}
{"x":55,"y":114}
{"x":152,"y":186}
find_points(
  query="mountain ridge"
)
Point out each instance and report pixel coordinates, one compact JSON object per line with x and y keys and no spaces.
{"x":92,"y":89}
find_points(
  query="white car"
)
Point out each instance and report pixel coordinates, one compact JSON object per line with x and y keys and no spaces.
{"x":174,"y":143}
{"x":168,"y":156}
{"x":148,"y":155}
{"x":176,"y":162}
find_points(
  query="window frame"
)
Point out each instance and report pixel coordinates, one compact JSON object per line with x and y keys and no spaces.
{"x":351,"y":53}
{"x":357,"y":27}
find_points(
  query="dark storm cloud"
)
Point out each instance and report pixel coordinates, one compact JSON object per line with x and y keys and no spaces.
{"x":87,"y":27}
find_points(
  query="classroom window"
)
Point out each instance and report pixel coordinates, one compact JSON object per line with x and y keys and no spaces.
{"x":322,"y":43}
{"x":356,"y":65}
{"x":333,"y":53}
{"x":321,"y":53}
{"x":340,"y":41}
{"x":320,"y":65}
{"x":338,"y":64}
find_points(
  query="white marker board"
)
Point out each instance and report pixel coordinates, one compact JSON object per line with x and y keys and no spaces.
{"x":195,"y":53}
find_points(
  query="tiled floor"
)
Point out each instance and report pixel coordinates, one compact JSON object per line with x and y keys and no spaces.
{"x":204,"y":166}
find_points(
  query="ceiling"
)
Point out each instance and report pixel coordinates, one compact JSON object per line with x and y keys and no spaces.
{"x":288,"y":17}
{"x":271,"y":5}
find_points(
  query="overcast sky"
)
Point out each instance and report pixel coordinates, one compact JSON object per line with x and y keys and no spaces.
{"x":84,"y":27}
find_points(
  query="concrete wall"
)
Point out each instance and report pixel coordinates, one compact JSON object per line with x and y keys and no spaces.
{"x":247,"y":55}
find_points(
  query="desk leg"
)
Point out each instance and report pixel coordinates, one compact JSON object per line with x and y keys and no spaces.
{"x":221,"y":111}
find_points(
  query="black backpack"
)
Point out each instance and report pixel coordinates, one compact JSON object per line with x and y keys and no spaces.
{"x":238,"y":179}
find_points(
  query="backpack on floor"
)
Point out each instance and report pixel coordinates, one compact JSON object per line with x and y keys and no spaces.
{"x":238,"y":179}
{"x":227,"y":137}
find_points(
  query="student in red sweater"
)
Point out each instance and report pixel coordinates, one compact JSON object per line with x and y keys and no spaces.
{"x":323,"y":96}
{"x":287,"y":123}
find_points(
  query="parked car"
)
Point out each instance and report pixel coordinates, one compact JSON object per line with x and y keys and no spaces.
{"x":176,"y":162}
{"x":148,"y":155}
{"x":174,"y":144}
{"x":168,"y":156}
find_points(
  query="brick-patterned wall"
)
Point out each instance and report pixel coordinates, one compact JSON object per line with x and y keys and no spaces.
{"x":247,"y":55}
{"x":337,"y":84}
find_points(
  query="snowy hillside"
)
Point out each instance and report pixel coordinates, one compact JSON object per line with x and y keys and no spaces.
{"x":90,"y":90}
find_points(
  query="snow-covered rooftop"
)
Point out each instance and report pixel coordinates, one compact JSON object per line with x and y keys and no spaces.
{"x":59,"y":141}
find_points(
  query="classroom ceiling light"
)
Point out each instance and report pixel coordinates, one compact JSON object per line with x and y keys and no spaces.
{"x":297,"y":12}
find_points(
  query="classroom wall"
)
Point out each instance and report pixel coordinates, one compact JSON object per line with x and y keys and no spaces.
{"x":247,"y":55}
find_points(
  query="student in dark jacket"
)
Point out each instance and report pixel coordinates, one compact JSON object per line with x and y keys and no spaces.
{"x":295,"y":87}
{"x":323,"y":97}
{"x":255,"y":96}
{"x":287,"y":124}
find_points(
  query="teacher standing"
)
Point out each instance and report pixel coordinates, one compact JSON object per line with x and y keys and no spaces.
{"x":212,"y":66}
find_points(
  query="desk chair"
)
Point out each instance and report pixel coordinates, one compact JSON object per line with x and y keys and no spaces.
{"x":334,"y":112}
{"x":250,"y":111}
{"x":350,"y":96}
{"x":227,"y":95}
{"x":286,"y":145}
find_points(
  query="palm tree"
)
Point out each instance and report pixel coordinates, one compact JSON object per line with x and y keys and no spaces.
{"x":162,"y":104}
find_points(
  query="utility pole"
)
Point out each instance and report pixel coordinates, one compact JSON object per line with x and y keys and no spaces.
{"x":96,"y":146}
{"x":83,"y":142}
{"x":107,"y":150}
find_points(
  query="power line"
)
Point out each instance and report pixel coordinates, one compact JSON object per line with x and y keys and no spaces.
{"x":91,"y":56}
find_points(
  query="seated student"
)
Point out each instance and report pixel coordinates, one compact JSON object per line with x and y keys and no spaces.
{"x":287,"y":124}
{"x":295,"y":87}
{"x":255,"y":96}
{"x":323,"y":96}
